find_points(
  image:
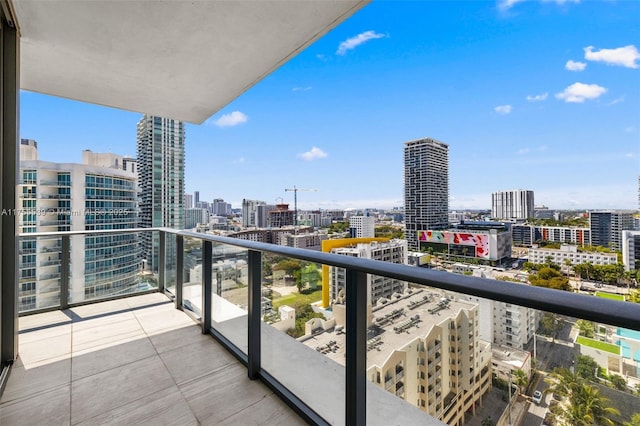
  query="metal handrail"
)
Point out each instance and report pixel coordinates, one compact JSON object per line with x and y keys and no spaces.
{"x":601,"y":310}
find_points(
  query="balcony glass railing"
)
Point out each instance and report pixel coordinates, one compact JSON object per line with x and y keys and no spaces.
{"x":264,"y":303}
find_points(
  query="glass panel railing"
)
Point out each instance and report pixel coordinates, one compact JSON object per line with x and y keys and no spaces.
{"x":107,"y":265}
{"x":192,"y":276}
{"x":229,"y":293}
{"x":39,"y":272}
{"x":301,"y":340}
{"x":170,"y":264}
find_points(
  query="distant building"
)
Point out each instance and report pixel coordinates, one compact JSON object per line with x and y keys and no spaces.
{"x":361,"y":227}
{"x":195,"y":217}
{"x":426,"y":188}
{"x":527,"y":235}
{"x":188,"y":201}
{"x":607,"y":226}
{"x":312,"y":218}
{"x":488,"y":241}
{"x":249,"y":212}
{"x":394,"y":251}
{"x":161,"y":180}
{"x":571,"y":253}
{"x":631,"y":250}
{"x":220,"y":208}
{"x":281,"y":216}
{"x":514,"y":204}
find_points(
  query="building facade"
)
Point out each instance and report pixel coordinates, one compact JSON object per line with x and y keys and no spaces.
{"x":426,"y":187}
{"x":161,"y":163}
{"x":394,"y":251}
{"x":527,"y":235}
{"x":195,"y":217}
{"x":631,"y":250}
{"x":606,"y":227}
{"x":96,"y":195}
{"x":362,"y":227}
{"x":514,"y":204}
{"x":570,"y":253}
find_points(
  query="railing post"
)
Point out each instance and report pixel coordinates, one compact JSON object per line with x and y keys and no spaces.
{"x":65,"y":256}
{"x":161,"y":260}
{"x":255,"y":313}
{"x":179,"y":270}
{"x":356,"y":348}
{"x":206,"y":286}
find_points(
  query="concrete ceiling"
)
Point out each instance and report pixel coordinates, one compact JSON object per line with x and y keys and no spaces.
{"x":178,"y":59}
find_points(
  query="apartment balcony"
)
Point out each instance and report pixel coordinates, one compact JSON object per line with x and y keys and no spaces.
{"x":197,"y":343}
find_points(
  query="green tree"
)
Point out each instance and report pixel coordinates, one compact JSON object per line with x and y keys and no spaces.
{"x":550,"y":278}
{"x":618,"y":382}
{"x":586,"y":367}
{"x":520,"y":378}
{"x":586,"y":328}
{"x":585,"y":406}
{"x":550,"y":325}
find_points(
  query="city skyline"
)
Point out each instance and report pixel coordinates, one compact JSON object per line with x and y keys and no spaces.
{"x":553,"y":111}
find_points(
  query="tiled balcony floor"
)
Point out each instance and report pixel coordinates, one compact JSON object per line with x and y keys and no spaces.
{"x":131,"y":361}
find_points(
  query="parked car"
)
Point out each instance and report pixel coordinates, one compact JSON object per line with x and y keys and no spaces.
{"x":537,"y":397}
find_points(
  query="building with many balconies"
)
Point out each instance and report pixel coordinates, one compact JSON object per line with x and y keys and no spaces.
{"x":95,"y":195}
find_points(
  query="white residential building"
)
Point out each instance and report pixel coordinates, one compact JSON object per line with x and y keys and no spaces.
{"x":394,"y":251}
{"x":513,"y":204}
{"x":571,"y":253}
{"x":362,"y":227}
{"x":631,"y":250}
{"x":96,"y":195}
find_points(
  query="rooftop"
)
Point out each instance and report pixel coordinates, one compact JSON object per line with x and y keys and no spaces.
{"x":396,"y":313}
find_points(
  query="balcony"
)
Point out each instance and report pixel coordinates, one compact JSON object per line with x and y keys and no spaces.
{"x":127,"y":361}
{"x":226,"y":308}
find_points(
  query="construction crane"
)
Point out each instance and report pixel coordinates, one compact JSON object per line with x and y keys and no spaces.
{"x":295,"y":200}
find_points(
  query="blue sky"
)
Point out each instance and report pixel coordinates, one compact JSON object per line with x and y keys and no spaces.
{"x":541,"y":95}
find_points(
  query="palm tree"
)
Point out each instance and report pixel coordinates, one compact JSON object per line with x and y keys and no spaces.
{"x":583,"y":405}
{"x":520,"y":378}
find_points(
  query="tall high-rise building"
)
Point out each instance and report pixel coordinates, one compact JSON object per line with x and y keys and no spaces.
{"x":161,"y":179}
{"x":513,"y":204}
{"x":96,"y":195}
{"x":188,"y":201}
{"x":249,"y":211}
{"x":606,"y":227}
{"x":426,"y":187}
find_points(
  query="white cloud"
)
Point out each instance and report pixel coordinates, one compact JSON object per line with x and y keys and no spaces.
{"x":575,"y":66}
{"x":523,"y":151}
{"x":616,"y":101}
{"x":507,"y":4}
{"x":314,"y":154}
{"x":238,"y":161}
{"x":537,"y":98}
{"x":503,"y":109}
{"x":231,"y":119}
{"x":353,"y":42}
{"x":301,"y":89}
{"x":579,"y":92}
{"x":624,"y":56}
{"x":630,"y":155}
{"x":629,"y":129}
{"x":561,"y":2}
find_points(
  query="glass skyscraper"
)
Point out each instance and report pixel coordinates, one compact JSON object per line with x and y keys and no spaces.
{"x":161,"y":180}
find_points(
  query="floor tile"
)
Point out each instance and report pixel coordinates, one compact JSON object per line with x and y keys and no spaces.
{"x":98,"y":394}
{"x":112,"y":355}
{"x":166,"y":407}
{"x":47,"y":408}
{"x":193,"y":361}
